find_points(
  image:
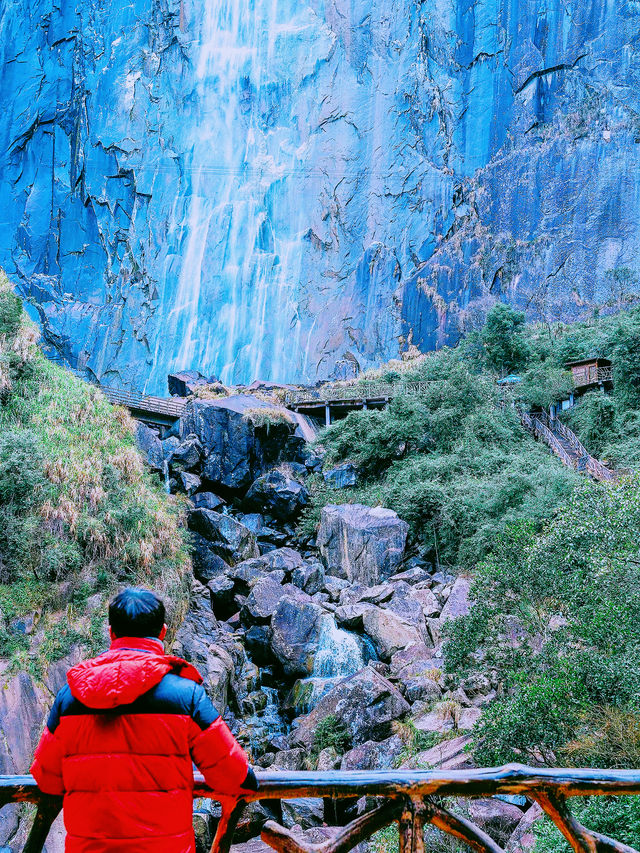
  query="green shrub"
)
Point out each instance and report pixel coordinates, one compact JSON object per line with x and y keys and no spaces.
{"x":331,"y":732}
{"x":558,"y":620}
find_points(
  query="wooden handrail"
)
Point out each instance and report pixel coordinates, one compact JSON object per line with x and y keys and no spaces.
{"x":358,"y":391}
{"x":405,"y":797}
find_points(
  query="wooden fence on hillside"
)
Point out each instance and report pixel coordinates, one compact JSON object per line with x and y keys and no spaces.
{"x":412,"y":799}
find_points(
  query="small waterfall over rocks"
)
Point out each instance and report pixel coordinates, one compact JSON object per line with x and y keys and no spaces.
{"x":339,"y":654}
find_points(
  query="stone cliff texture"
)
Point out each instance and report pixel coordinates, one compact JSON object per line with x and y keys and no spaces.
{"x":282,"y":190}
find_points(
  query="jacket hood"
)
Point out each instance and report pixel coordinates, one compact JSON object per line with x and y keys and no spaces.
{"x":132,"y":666}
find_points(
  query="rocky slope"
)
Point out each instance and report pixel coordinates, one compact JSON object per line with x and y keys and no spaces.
{"x":297,"y":195}
{"x":324,"y":652}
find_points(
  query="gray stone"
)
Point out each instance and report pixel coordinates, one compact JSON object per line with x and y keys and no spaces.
{"x":263,"y":599}
{"x":334,"y":586}
{"x":388,"y":632}
{"x":235,"y":452}
{"x":497,"y":818}
{"x":278,"y":494}
{"x":190,"y":482}
{"x":373,"y":755}
{"x":452,"y":754}
{"x":304,"y":812}
{"x":290,"y":759}
{"x":150,"y":445}
{"x":187,"y":454}
{"x":523,"y":839}
{"x":207,"y":500}
{"x":342,"y":476}
{"x":458,"y":603}
{"x":230,"y":539}
{"x":206,"y":561}
{"x":366,"y":703}
{"x":309,"y":576}
{"x":186,"y":382}
{"x":295,"y":628}
{"x":361,"y":543}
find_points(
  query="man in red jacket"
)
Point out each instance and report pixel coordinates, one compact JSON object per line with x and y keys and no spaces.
{"x":121,"y":738}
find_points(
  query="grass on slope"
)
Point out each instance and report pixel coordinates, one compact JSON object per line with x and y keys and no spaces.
{"x":79,"y":514}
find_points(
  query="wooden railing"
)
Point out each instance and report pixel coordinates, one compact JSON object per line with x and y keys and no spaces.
{"x":171,"y":407}
{"x":365,"y":390}
{"x":412,"y":799}
{"x":542,"y":427}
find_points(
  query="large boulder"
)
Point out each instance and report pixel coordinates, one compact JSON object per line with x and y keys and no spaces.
{"x":230,"y":539}
{"x":361,"y":543}
{"x":371,"y":755}
{"x":497,"y":818}
{"x":187,"y":382}
{"x":235,"y":451}
{"x":459,"y":602}
{"x":277,"y":494}
{"x":365,"y":703}
{"x":342,"y":476}
{"x":295,"y":629}
{"x":186,"y":455}
{"x":389,"y":632}
{"x":263,"y":599}
{"x":207,"y":562}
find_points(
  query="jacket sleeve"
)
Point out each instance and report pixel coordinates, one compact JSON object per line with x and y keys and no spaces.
{"x":47,"y":760}
{"x":215,"y":751}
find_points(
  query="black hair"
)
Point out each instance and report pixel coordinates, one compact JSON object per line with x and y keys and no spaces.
{"x":136,"y":613}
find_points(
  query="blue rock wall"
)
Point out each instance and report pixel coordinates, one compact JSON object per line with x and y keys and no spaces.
{"x":278,"y":190}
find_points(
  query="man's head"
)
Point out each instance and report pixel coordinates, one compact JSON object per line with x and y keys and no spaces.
{"x":137,"y":613}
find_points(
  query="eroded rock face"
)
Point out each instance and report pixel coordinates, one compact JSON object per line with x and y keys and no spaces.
{"x":361,"y":543}
{"x":131,"y":252}
{"x":235,"y":452}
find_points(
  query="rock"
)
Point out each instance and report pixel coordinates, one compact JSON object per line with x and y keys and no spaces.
{"x":467,"y":718}
{"x":406,"y":604}
{"x":235,"y":452}
{"x":290,"y":759}
{"x":342,"y":476}
{"x":303,"y":812}
{"x":230,"y":539}
{"x":309,"y":576}
{"x":372,"y":755}
{"x":258,"y":644}
{"x":295,"y":628}
{"x":449,"y":755}
{"x":497,"y":818}
{"x":263,"y":599}
{"x":366,"y":703}
{"x":150,"y":445}
{"x":458,"y":603}
{"x":222,"y":598}
{"x":412,"y":575}
{"x":351,"y":615}
{"x":284,"y":560}
{"x":388,"y":632}
{"x":422,"y":687}
{"x":190,"y":482}
{"x":334,"y":586}
{"x":169,"y":444}
{"x":428,"y":602}
{"x":361,"y":543}
{"x":523,"y":838}
{"x":254,"y":845}
{"x":207,"y":564}
{"x":186,"y":455}
{"x":253,"y":520}
{"x":412,"y":660}
{"x":208,"y":500}
{"x":328,"y":759}
{"x":442,"y":719}
{"x":23,"y":708}
{"x":199,"y":641}
{"x":185,"y":382}
{"x":281,"y":495}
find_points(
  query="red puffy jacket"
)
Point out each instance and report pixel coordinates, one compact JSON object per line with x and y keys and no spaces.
{"x":119,"y":743}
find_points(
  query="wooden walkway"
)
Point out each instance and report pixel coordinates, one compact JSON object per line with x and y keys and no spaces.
{"x":566,"y":445}
{"x":329,"y":401}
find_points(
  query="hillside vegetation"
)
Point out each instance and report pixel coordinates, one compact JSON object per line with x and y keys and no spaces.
{"x":555,"y":557}
{"x":78,"y":512}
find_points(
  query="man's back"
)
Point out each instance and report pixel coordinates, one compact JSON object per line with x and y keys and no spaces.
{"x":119,"y":743}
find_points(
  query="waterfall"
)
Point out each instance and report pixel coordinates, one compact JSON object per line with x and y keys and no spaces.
{"x":234,"y":311}
{"x":339,"y":654}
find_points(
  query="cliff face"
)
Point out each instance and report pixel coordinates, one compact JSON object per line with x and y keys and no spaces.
{"x":260,"y":189}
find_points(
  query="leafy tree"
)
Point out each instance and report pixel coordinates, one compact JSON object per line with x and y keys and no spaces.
{"x":505,"y":346}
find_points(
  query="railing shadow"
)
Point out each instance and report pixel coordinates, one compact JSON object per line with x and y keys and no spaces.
{"x":412,"y":799}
